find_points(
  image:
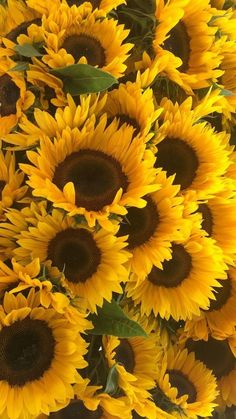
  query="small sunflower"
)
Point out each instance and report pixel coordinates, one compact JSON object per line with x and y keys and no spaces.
{"x":14,"y":96}
{"x":185,"y":282}
{"x":219,"y":355}
{"x":152,"y":229}
{"x":79,"y":35}
{"x":187,"y":384}
{"x":218,"y":220}
{"x":131,"y":105}
{"x":71,"y":115}
{"x":228,"y":65}
{"x":11,"y":181}
{"x":94,"y":173}
{"x":92,"y":262}
{"x":192,"y":151}
{"x":136,"y":363}
{"x":184,"y":35}
{"x":40,"y":349}
{"x":221,"y":314}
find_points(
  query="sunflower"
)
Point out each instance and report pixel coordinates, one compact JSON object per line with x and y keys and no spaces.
{"x":228,"y":65}
{"x":105,"y":5}
{"x":191,"y":150}
{"x":184,"y":35}
{"x":219,"y":355}
{"x":14,"y":96}
{"x":94,"y":173}
{"x":185,"y":282}
{"x":71,"y":115}
{"x":136,"y":363}
{"x":11,"y":181}
{"x":187,"y":386}
{"x":221,"y":314}
{"x":152,"y":229}
{"x":218,"y":220}
{"x":40,"y":349}
{"x":85,"y":257}
{"x":18,"y":17}
{"x":79,"y":35}
{"x":131,"y":105}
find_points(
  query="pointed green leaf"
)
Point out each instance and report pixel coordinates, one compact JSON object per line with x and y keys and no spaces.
{"x":112,"y":381}
{"x":111,"y":320}
{"x":20,"y":66}
{"x":27,"y":50}
{"x":83,"y":78}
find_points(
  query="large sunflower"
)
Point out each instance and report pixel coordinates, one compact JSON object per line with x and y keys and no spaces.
{"x":92,"y":262}
{"x":79,"y":35}
{"x":221,"y":314}
{"x":40,"y":349}
{"x":184,"y":35}
{"x":185,"y":282}
{"x":11,"y":181}
{"x":94,"y":173}
{"x":152,"y":229}
{"x":219,"y":355}
{"x":188,"y":386}
{"x":192,"y":151}
{"x":14,"y":96}
{"x":218,"y":220}
{"x":136,"y":363}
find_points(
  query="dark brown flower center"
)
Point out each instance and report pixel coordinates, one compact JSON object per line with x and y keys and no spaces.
{"x":222,"y":295}
{"x":175,"y":156}
{"x":140,"y":224}
{"x":74,"y":251}
{"x":26,"y":351}
{"x":22,"y":29}
{"x":179,"y":44}
{"x":125,"y":119}
{"x":85,"y":46}
{"x":184,"y":386}
{"x":215,"y":354}
{"x":207,"y":218}
{"x":9,"y":94}
{"x":2,"y":186}
{"x":77,"y":410}
{"x":125,"y":355}
{"x":174,"y":270}
{"x":96,"y":177}
{"x":95,"y":3}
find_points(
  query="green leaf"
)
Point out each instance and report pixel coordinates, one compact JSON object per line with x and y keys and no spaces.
{"x":225,"y":92}
{"x":27,"y":50}
{"x":83,"y":78}
{"x":111,"y":320}
{"x":20,"y":66}
{"x":112,"y":381}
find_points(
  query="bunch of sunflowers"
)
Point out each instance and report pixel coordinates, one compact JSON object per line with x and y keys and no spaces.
{"x":117,"y":209}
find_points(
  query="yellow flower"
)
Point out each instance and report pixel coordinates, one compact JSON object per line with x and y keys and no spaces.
{"x":92,"y":262}
{"x":193,"y":151}
{"x":40,"y":349}
{"x":221,"y":314}
{"x":11,"y":181}
{"x":187,"y":384}
{"x":14,"y":96}
{"x":79,"y":35}
{"x":152,"y":229}
{"x":184,"y":283}
{"x":93,"y":173}
{"x":218,"y":353}
{"x":184,"y":35}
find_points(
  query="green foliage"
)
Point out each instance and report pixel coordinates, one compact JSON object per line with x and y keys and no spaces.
{"x":111,"y":320}
{"x":112,"y":381}
{"x":28,"y":50}
{"x":83,"y":78}
{"x":20,"y":66}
